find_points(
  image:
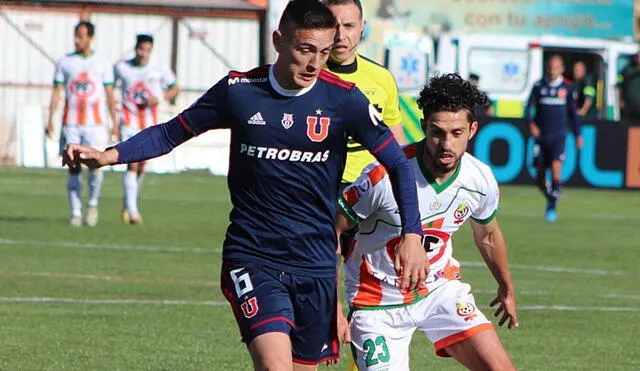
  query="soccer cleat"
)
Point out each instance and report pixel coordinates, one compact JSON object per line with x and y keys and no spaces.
{"x":126,"y":218}
{"x":76,"y":221}
{"x":92,"y":216}
{"x":135,"y":219}
{"x":551,"y":215}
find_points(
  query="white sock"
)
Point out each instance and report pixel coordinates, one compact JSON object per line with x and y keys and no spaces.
{"x":95,"y":184}
{"x":130,"y":183}
{"x":74,"y":189}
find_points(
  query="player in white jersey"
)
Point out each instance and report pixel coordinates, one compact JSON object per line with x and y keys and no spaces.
{"x":453,"y":187}
{"x":142,"y":84}
{"x":87,"y":79}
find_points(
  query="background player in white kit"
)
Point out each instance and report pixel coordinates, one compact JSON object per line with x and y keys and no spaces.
{"x":142,"y":83}
{"x":452,"y":186}
{"x":82,"y":75}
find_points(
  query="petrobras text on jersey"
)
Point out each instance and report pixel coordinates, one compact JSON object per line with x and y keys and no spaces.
{"x":245,"y":80}
{"x":283,"y":154}
{"x":553,"y":101}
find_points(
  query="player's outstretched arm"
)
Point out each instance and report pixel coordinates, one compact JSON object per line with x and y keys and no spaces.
{"x":76,"y":154}
{"x":492,"y":246}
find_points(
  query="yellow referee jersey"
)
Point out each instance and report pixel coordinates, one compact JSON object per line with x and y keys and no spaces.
{"x":377,"y":83}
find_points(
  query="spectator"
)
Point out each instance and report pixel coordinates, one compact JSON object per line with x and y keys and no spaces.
{"x":584,"y":85}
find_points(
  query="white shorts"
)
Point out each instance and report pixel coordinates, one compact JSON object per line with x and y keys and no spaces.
{"x":127,"y":131}
{"x":93,"y":136}
{"x":380,"y":338}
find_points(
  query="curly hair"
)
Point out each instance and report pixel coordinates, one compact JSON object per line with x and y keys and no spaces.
{"x":451,"y":93}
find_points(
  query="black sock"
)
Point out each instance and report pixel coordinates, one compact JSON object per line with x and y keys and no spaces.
{"x":554,"y":194}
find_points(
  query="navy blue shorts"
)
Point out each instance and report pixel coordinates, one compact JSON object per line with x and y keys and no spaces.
{"x":544,"y":152}
{"x":268,"y":300}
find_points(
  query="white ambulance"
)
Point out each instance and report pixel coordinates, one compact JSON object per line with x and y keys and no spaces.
{"x":508,"y":66}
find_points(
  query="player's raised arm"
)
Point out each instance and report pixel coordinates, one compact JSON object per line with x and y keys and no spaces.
{"x":368,"y":129}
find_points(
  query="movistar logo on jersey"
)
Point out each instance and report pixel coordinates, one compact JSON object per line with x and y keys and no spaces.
{"x":245,"y":80}
{"x":283,"y":154}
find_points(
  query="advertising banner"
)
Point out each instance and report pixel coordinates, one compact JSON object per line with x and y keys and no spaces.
{"x":610,"y":157}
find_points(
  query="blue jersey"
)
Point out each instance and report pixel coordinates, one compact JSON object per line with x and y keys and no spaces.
{"x":287,"y":154}
{"x":555,"y":109}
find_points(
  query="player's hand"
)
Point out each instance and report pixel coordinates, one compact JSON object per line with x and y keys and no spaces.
{"x":579,"y":142}
{"x":411,"y":261}
{"x":48,"y":131}
{"x":535,"y":130}
{"x":115,"y":135}
{"x":152,"y":101}
{"x":506,"y":302}
{"x":76,"y":154}
{"x":344,"y":333}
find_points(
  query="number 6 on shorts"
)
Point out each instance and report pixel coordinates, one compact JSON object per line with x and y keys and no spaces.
{"x":242,"y":283}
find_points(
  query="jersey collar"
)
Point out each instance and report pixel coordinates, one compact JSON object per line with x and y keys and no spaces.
{"x":343,"y":68}
{"x":287,"y":92}
{"x":437,"y":187}
{"x":555,"y":83}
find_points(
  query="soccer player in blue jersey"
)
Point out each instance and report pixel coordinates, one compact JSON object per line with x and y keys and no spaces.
{"x":289,"y":127}
{"x":554,"y":101}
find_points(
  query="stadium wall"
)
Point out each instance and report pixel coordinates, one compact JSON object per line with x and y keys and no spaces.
{"x":610,"y":157}
{"x":200,"y":45}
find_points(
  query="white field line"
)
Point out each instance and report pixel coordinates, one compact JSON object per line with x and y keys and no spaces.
{"x":108,"y":278}
{"x":212,"y":303}
{"x":86,"y":245}
{"x":567,"y":308}
{"x":197,"y":250}
{"x":543,"y":268}
{"x":50,"y":300}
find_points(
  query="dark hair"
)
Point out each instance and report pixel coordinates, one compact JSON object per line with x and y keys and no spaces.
{"x":474,"y":76}
{"x":91,"y":29}
{"x":345,"y":2}
{"x":306,"y":15}
{"x":451,"y":93}
{"x":143,"y":38}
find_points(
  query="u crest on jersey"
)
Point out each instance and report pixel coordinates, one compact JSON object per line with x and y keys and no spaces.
{"x":315,"y":132}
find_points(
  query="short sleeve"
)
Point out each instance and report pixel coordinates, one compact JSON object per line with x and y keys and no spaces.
{"x":489,"y":206}
{"x":589,"y":89}
{"x":168,"y":78}
{"x":365,"y":123}
{"x":391,"y":110}
{"x":59,"y":76}
{"x":210,"y":111}
{"x":368,"y":194}
{"x":107,"y":73}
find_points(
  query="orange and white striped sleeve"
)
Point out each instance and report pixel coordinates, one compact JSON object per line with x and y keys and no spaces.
{"x":368,"y":194}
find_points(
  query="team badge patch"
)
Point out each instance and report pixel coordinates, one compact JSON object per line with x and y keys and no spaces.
{"x":466,"y":310}
{"x":562,"y":93}
{"x":287,"y":120}
{"x":249,"y":307}
{"x":82,"y":87}
{"x":318,"y":128}
{"x":363,"y":187}
{"x":460,"y":213}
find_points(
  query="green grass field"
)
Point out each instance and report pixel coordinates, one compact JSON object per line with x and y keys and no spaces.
{"x":120,"y":297}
